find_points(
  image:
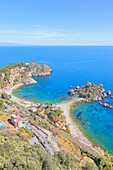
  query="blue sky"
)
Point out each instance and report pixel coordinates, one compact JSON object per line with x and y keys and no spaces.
{"x":56,"y":22}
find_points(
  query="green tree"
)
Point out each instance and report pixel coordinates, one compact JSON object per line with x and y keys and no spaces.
{"x":1,"y":104}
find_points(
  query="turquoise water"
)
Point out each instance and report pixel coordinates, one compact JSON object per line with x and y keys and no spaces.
{"x":2,"y":125}
{"x":97,"y":122}
{"x":71,"y":66}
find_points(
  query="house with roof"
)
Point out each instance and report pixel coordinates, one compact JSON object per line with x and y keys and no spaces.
{"x":33,"y":109}
{"x":16,"y":121}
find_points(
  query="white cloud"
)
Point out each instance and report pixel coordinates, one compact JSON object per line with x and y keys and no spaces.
{"x":36,"y":26}
{"x":37,"y":34}
{"x":54,"y":34}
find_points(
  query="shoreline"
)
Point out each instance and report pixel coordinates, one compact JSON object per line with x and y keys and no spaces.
{"x":10,"y":92}
{"x":76,"y":131}
{"x":93,"y":142}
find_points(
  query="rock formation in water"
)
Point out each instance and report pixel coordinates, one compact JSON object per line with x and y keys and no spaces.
{"x":90,"y":91}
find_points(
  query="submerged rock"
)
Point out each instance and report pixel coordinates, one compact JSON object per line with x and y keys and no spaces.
{"x":100,"y":103}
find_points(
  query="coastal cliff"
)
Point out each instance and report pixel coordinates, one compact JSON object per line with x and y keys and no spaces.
{"x":22,"y":73}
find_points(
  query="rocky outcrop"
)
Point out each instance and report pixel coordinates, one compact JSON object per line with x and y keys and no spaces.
{"x":22,"y":73}
{"x":107,"y":105}
{"x":44,"y":74}
{"x":90,"y":91}
{"x":31,"y":81}
{"x":71,"y":92}
{"x":101,"y":85}
{"x":99,"y":98}
{"x":109,"y":93}
{"x":104,"y":95}
{"x":77,"y":87}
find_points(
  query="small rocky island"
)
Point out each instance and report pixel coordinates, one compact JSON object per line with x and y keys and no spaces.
{"x":91,"y":92}
{"x":21,"y":73}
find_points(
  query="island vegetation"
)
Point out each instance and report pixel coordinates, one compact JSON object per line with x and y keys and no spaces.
{"x":21,"y":73}
{"x":90,"y":92}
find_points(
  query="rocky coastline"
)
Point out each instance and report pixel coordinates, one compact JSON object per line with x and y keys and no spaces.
{"x":91,"y":92}
{"x":21,"y":73}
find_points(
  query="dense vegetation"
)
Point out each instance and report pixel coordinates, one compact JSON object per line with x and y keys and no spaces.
{"x":16,"y":152}
{"x":1,"y":104}
{"x":20,"y":73}
{"x":89,"y":91}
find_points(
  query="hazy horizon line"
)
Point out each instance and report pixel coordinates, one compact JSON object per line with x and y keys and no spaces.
{"x":19,"y":44}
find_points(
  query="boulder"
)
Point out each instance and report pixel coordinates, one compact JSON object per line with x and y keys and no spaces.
{"x":71,"y":92}
{"x":99,"y":98}
{"x":100,"y":103}
{"x":104,"y":95}
{"x":51,"y":70}
{"x":101,"y":85}
{"x":106,"y":105}
{"x":111,"y":107}
{"x":77,"y":87}
{"x":109,"y":93}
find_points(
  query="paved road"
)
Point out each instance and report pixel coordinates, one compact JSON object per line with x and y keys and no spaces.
{"x":35,"y":140}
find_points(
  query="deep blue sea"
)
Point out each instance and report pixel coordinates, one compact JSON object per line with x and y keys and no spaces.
{"x":72,"y":66}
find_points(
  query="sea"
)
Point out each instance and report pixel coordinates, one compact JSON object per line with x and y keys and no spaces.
{"x":72,"y":66}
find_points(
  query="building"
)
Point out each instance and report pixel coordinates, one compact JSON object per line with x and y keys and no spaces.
{"x":33,"y":109}
{"x":16,"y":121}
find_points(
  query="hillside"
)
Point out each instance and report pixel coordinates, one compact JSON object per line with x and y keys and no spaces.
{"x":17,"y":152}
{"x":22,"y":73}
